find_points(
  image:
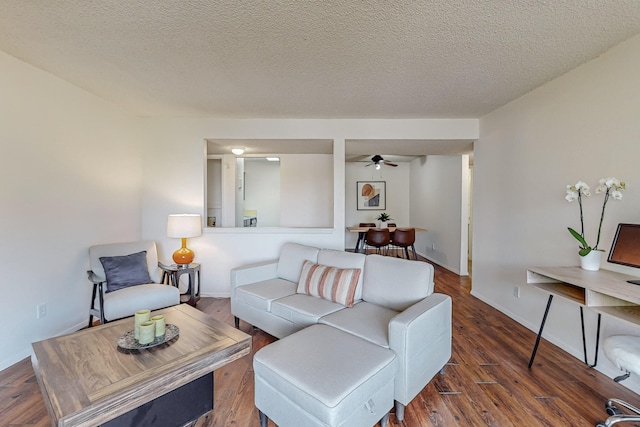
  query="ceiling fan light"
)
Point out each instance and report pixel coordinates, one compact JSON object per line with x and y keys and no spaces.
{"x":377,"y":166}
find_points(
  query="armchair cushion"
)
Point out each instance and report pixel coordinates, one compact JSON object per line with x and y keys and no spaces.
{"x":116,"y":249}
{"x":331,"y":283}
{"x":127,"y":301}
{"x":125,"y":271}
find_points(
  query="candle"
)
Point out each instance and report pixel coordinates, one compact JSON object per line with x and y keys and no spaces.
{"x":147,"y":332}
{"x":140,"y":316}
{"x":160,"y":324}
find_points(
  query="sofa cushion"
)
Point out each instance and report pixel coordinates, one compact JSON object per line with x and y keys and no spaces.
{"x":292,"y":256}
{"x":331,"y":283}
{"x":342,"y":259}
{"x":304,"y":310}
{"x":364,"y":320}
{"x":396,"y":283}
{"x":262,"y":294}
{"x":126,"y":270}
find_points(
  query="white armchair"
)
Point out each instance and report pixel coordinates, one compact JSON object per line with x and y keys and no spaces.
{"x":130,"y":281}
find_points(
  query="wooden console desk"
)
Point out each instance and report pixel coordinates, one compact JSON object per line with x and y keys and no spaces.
{"x":604,"y":291}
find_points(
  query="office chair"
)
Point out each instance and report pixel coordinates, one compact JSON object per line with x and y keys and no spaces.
{"x":624,"y":352}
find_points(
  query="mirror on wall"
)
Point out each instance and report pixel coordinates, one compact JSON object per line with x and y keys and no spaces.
{"x":269,"y":183}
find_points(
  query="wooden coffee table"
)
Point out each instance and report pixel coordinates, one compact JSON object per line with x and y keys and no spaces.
{"x":87,"y":380}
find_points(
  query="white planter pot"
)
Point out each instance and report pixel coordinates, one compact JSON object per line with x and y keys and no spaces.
{"x":591,"y":261}
{"x":382,"y":224}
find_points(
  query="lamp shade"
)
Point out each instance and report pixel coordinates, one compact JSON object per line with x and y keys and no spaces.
{"x":184,"y":225}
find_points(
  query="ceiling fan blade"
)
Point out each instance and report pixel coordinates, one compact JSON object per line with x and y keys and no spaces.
{"x":358,"y":158}
{"x":389,"y":163}
{"x":368,"y":164}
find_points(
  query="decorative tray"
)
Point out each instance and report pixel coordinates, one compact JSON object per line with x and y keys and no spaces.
{"x":128,"y":340}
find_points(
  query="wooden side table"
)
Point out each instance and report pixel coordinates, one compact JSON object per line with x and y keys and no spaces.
{"x":171,"y":275}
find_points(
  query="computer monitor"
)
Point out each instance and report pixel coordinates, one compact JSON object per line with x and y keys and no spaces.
{"x":626,"y":247}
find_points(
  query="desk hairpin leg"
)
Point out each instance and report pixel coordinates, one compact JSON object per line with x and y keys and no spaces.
{"x":584,"y":342}
{"x":544,"y":319}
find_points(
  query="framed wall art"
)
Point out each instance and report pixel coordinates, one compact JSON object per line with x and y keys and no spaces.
{"x":371,"y":195}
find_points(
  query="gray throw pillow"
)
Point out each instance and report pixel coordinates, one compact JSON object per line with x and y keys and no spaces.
{"x":125,"y":271}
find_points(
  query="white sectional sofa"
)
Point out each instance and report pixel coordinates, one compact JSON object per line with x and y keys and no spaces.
{"x":394,"y":306}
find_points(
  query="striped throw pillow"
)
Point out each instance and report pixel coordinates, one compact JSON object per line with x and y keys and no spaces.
{"x":331,"y":283}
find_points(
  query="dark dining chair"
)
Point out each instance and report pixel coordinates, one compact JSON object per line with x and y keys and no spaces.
{"x":361,"y":234}
{"x":404,"y":238}
{"x":378,"y":238}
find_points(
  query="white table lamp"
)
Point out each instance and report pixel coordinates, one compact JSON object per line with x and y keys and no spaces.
{"x":183,"y":226}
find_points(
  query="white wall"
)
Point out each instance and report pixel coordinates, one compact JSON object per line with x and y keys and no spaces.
{"x":439,"y":204}
{"x":398,"y":196}
{"x":70,"y":178}
{"x":175,"y":183}
{"x":306,"y":190}
{"x":585,"y":126}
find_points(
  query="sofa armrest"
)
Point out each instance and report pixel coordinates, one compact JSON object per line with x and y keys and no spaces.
{"x":421,"y":338}
{"x":252,"y":273}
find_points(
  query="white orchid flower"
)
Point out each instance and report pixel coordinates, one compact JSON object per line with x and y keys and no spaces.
{"x":582,"y":185}
{"x":619,"y":185}
{"x":574,"y":191}
{"x":610,"y":187}
{"x":612,"y":182}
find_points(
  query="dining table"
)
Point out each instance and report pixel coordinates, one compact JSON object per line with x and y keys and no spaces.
{"x":362,"y":231}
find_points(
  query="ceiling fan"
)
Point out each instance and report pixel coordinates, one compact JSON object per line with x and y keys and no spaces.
{"x":377,"y":160}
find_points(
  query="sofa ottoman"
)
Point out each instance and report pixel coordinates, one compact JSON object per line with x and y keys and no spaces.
{"x":322,"y":376}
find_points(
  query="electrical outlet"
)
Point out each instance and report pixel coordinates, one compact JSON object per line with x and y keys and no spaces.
{"x":41,"y":311}
{"x":516,"y":291}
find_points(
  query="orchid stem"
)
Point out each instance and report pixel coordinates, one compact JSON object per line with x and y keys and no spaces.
{"x":581,"y":217}
{"x":606,"y":198}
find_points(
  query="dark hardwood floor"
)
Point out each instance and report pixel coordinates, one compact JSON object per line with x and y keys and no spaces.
{"x":487,"y":382}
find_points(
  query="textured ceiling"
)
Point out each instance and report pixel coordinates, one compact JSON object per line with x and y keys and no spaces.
{"x":312,"y":59}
